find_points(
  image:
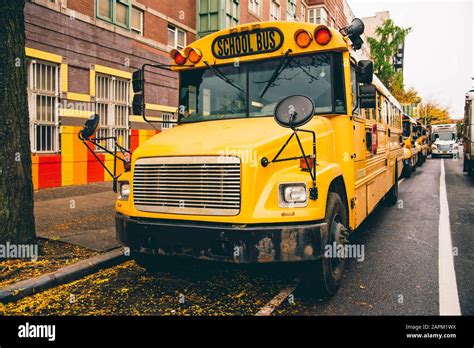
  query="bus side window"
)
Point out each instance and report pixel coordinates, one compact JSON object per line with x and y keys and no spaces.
{"x":368,"y":139}
{"x":354,"y":90}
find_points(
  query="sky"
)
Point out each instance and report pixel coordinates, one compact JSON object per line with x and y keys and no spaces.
{"x":439,"y":52}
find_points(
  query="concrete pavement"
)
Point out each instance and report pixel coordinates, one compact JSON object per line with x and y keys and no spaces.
{"x":81,"y":215}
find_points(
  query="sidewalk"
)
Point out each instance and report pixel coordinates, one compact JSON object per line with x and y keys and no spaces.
{"x":81,"y":215}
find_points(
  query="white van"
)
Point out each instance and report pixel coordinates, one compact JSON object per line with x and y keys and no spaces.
{"x":444,"y":140}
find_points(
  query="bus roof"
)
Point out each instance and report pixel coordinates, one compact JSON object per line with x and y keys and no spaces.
{"x":214,"y":48}
{"x":449,"y":127}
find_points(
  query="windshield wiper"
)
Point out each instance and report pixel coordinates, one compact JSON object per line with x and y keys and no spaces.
{"x":283,"y":63}
{"x":221,"y":75}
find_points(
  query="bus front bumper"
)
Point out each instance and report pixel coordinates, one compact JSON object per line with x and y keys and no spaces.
{"x":222,"y":242}
{"x":446,"y":152}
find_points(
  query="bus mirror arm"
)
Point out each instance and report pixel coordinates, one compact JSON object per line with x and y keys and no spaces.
{"x":313,"y":191}
{"x":125,"y":153}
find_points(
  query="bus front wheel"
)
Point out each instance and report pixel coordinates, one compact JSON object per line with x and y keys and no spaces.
{"x":322,"y":278}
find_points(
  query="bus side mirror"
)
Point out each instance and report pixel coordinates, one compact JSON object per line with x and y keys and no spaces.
{"x":401,"y":139}
{"x":137,"y":81}
{"x":294,"y":111}
{"x":365,"y":71}
{"x":137,"y":104}
{"x":90,"y":126}
{"x":367,"y":96}
{"x":138,"y":84}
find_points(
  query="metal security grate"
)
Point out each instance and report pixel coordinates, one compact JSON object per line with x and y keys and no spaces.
{"x":201,"y":185}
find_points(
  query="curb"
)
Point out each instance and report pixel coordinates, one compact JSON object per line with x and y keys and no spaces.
{"x":63,"y":275}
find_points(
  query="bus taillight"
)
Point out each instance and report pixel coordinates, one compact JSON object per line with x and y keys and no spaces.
{"x":194,"y":55}
{"x":323,"y":35}
{"x":303,"y":38}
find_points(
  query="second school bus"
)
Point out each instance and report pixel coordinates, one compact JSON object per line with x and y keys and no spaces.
{"x":212,"y":188}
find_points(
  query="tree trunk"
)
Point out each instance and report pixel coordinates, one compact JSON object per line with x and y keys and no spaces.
{"x":17,"y":223}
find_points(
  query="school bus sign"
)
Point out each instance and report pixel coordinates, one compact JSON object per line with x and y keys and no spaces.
{"x":247,"y":42}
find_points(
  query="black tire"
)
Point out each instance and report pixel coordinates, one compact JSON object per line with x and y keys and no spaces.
{"x":420,"y":160}
{"x":156,"y":263}
{"x":407,"y":171}
{"x":392,"y":196}
{"x":322,"y":278}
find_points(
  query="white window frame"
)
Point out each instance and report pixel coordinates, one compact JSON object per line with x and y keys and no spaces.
{"x":303,"y":13}
{"x":315,"y":15}
{"x":291,"y":10}
{"x":139,"y":31}
{"x":108,"y":126}
{"x":34,"y":92}
{"x":167,"y":117}
{"x":176,"y":30}
{"x":255,"y":7}
{"x":275,"y":10}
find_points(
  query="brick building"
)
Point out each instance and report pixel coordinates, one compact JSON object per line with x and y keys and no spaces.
{"x":328,"y":12}
{"x":81,"y":55}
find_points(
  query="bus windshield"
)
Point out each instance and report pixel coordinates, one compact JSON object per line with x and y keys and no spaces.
{"x":444,"y":136}
{"x":253,"y":89}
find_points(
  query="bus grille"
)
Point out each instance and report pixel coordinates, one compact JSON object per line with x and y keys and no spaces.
{"x":200,"y":185}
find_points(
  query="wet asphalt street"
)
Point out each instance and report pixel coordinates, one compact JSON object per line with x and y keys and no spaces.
{"x":399,"y":274}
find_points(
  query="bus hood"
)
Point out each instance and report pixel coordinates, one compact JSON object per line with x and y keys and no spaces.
{"x":226,"y":137}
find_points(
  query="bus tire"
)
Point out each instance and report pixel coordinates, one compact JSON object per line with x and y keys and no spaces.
{"x":322,"y":278}
{"x":156,"y":263}
{"x":392,"y":195}
{"x":407,"y":171}
{"x":420,"y":160}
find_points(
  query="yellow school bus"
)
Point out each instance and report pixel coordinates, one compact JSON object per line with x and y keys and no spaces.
{"x":285,"y":143}
{"x":410,"y":148}
{"x":421,"y":143}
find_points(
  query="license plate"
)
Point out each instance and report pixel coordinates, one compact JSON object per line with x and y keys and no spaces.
{"x":445,"y":152}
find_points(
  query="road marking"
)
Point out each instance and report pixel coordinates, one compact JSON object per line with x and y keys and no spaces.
{"x":277,"y":300}
{"x":448,"y":289}
{"x":401,"y":180}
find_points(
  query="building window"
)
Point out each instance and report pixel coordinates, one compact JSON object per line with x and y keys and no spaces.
{"x":114,"y":11}
{"x":43,"y":100}
{"x":112,"y":104}
{"x":167,"y":117}
{"x":303,"y":13}
{"x":214,"y":15}
{"x":208,"y":15}
{"x":318,"y":16}
{"x":176,"y":37}
{"x":275,"y":11}
{"x":232,"y":13}
{"x":291,"y":10}
{"x":255,"y":7}
{"x":137,"y":21}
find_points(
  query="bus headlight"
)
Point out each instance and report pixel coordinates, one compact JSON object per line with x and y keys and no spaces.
{"x":292,"y":195}
{"x":123,"y":190}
